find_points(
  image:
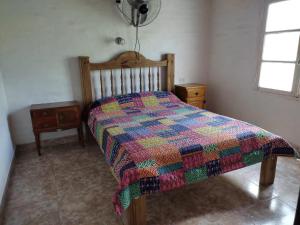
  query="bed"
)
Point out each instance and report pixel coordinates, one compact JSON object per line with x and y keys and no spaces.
{"x":153,"y":142}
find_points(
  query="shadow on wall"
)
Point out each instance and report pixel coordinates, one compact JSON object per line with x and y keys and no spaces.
{"x":10,"y":132}
{"x":13,"y":123}
{"x":73,"y":70}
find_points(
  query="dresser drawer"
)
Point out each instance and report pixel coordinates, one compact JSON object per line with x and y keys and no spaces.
{"x":43,"y":113}
{"x":45,"y":123}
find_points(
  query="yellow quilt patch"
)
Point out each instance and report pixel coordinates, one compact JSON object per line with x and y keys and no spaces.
{"x":109,"y":107}
{"x":115,"y":131}
{"x":152,"y":141}
{"x":150,"y":101}
{"x":207,"y":131}
{"x":167,"y":122}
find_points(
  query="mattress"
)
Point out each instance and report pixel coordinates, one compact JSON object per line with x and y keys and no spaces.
{"x":154,"y":142}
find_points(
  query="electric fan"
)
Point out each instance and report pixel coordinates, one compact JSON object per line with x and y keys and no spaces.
{"x":139,"y":13}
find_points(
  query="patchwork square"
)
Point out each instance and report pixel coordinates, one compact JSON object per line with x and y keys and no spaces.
{"x":151,"y":142}
{"x":173,"y":180}
{"x":191,"y":161}
{"x":113,"y":106}
{"x":170,"y":168}
{"x":191,"y":149}
{"x":166,"y":133}
{"x":122,"y":138}
{"x":219,"y":121}
{"x":245,"y":135}
{"x":150,"y":123}
{"x":178,"y":128}
{"x":167,"y":122}
{"x":253,"y":157}
{"x":150,"y":101}
{"x":195,"y":175}
{"x":150,"y":171}
{"x":247,"y":145}
{"x":149,"y":185}
{"x":164,"y":155}
{"x":115,"y":131}
{"x":213,"y":168}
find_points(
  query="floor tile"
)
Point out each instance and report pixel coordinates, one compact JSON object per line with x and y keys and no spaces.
{"x":271,"y":212}
{"x":40,"y":213}
{"x":31,"y":185}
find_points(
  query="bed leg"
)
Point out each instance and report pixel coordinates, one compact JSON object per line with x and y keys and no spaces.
{"x":267,"y":171}
{"x":136,"y":213}
{"x":87,"y":133}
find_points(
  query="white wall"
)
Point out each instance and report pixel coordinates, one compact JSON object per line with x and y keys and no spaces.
{"x":40,"y":41}
{"x":6,"y":147}
{"x":235,"y":35}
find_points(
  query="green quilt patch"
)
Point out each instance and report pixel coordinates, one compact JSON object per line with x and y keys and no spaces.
{"x":229,"y":151}
{"x":146,"y":164}
{"x":195,"y":175}
{"x":253,"y":157}
{"x":210,"y":148}
{"x":128,"y":194}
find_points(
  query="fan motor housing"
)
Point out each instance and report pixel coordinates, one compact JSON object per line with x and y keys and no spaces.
{"x":143,"y":9}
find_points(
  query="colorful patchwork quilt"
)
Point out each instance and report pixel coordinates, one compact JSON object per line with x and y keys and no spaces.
{"x":154,"y":142}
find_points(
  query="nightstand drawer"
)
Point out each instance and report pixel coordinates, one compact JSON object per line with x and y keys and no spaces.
{"x":190,"y":91}
{"x":67,"y":117}
{"x":196,"y":99}
{"x":199,"y":104}
{"x":45,"y":123}
{"x":195,"y":92}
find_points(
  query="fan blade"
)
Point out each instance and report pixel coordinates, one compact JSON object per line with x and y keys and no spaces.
{"x":143,"y":18}
{"x":134,"y":16}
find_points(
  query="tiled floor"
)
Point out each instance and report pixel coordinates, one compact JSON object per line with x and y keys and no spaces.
{"x":71,"y":185}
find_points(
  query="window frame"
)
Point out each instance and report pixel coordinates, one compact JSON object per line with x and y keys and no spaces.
{"x":295,"y":93}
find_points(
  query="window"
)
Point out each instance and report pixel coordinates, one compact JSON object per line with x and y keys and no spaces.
{"x":280,"y":61}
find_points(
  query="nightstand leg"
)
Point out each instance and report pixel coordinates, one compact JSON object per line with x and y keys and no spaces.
{"x":80,"y":135}
{"x":38,"y":142}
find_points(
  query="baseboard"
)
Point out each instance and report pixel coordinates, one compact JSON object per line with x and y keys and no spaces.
{"x":4,"y":197}
{"x":49,"y":142}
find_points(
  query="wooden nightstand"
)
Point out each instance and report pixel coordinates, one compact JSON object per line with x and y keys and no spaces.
{"x":193,"y":94}
{"x":55,"y":116}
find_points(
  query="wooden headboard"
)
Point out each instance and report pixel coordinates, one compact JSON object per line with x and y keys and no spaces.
{"x":127,"y":61}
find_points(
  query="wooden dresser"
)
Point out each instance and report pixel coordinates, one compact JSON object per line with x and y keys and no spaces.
{"x":193,"y":94}
{"x":54,"y":117}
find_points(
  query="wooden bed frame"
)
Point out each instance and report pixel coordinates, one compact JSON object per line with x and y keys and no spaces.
{"x":136,"y":213}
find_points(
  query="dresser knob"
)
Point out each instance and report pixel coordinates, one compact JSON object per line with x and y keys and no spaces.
{"x":196,"y":93}
{"x":45,"y":113}
{"x":46,"y":125}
